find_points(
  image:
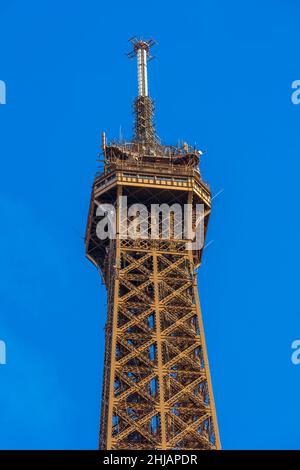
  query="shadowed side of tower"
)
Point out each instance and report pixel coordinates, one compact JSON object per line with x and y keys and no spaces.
{"x":157,"y":391}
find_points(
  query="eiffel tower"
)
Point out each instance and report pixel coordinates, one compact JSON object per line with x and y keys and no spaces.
{"x":157,"y":391}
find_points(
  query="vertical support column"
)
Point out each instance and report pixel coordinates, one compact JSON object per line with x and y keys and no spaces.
{"x":203,"y":344}
{"x":114,"y":325}
{"x":159,"y":353}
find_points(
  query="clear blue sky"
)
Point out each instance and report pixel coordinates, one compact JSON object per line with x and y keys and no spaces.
{"x":222,"y":79}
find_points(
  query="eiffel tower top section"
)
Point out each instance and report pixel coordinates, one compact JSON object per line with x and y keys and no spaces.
{"x":145,"y":149}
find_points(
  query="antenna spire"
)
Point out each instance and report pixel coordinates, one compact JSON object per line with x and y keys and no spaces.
{"x":144,"y":131}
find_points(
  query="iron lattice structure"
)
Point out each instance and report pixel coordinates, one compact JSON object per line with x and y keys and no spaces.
{"x":157,"y":391}
{"x":143,"y":126}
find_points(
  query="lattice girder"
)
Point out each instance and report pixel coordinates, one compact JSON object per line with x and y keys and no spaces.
{"x":155,"y":368}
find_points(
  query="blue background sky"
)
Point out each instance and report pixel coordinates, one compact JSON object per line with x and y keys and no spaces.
{"x":222,"y":78}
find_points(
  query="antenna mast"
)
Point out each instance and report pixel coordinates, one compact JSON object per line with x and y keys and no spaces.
{"x":144,"y":131}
